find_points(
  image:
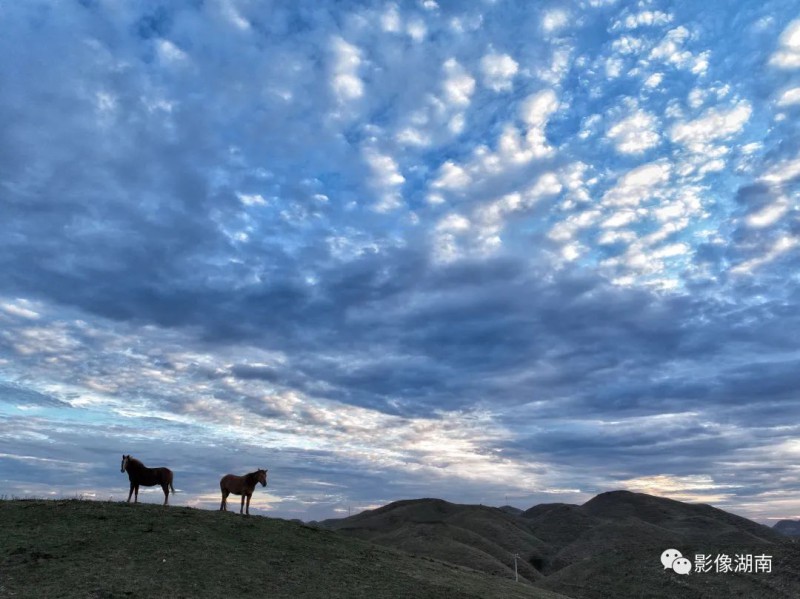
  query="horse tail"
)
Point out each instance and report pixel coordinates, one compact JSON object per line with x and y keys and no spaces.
{"x":170,"y":483}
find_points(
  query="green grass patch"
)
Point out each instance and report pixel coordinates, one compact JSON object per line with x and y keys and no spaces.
{"x":73,"y":548}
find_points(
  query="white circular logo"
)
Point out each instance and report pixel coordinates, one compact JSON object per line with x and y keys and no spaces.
{"x":682,"y":565}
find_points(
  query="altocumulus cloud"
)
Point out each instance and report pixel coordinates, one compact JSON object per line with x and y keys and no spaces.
{"x":391,"y":250}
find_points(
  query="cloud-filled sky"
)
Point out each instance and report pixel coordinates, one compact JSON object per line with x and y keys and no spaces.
{"x":495,"y":252}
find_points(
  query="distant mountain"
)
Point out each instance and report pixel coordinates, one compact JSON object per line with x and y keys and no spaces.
{"x":510,"y":509}
{"x":790,"y":528}
{"x":608,"y":547}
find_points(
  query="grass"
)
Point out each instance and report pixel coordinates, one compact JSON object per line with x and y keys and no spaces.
{"x":95,"y":549}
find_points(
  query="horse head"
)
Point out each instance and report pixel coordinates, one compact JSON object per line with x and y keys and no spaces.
{"x":262,"y":477}
{"x":124,"y":463}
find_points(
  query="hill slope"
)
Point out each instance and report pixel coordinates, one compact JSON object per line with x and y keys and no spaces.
{"x":789,"y":528}
{"x":608,"y":547}
{"x":98,"y":550}
{"x":479,"y":537}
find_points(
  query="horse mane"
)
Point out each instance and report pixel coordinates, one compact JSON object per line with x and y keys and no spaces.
{"x":251,"y":478}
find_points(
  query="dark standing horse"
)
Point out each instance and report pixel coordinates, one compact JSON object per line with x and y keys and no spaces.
{"x":241,"y":485}
{"x":139,"y":474}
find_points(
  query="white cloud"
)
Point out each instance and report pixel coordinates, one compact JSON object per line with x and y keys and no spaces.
{"x":567,"y":229}
{"x":493,"y":214}
{"x":346,"y":84}
{"x":637,"y":185}
{"x":451,"y":176}
{"x":619,"y":219}
{"x":386,"y":178}
{"x":169,"y":52}
{"x":390,"y":19}
{"x":646,"y":18}
{"x":670,"y":51}
{"x":453,"y":222}
{"x":498,"y":71}
{"x":714,"y":124}
{"x":788,"y":54}
{"x":627,"y":44}
{"x":536,"y":111}
{"x":513,"y":148}
{"x":781,"y":245}
{"x":554,"y":20}
{"x":251,"y":199}
{"x":770,"y":214}
{"x":654,"y":80}
{"x":610,"y":237}
{"x":783,"y":171}
{"x":614,"y":66}
{"x":458,"y":85}
{"x":537,"y":108}
{"x":635,"y":133}
{"x":789,"y":97}
{"x":416,"y":30}
{"x":21,"y":308}
{"x":558,"y":67}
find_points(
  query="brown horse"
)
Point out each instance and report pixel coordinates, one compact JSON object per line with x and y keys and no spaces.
{"x":241,"y":485}
{"x":139,"y":474}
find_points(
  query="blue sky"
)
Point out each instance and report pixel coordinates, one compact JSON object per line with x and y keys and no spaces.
{"x":496,"y":252}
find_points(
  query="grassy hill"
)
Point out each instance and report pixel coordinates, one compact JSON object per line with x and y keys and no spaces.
{"x":607,"y":547}
{"x":789,"y":528}
{"x":101,"y":550}
{"x":478,"y":537}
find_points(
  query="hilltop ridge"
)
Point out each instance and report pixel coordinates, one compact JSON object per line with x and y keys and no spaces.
{"x":608,"y":547}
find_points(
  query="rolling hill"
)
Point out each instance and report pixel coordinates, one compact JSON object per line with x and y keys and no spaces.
{"x":790,"y":528}
{"x":102,"y":550}
{"x":608,"y":547}
{"x":478,"y":537}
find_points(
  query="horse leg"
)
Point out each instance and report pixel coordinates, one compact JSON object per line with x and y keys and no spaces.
{"x":222,"y":506}
{"x":131,"y":493}
{"x":241,"y":509}
{"x":165,"y":488}
{"x":136,"y":494}
{"x":248,"y":503}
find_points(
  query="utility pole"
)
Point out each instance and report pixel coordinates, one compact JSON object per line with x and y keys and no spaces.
{"x":516,"y":574}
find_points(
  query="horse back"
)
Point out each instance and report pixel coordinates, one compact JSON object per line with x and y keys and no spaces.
{"x":232,"y":483}
{"x":149,"y":477}
{"x":164,"y":475}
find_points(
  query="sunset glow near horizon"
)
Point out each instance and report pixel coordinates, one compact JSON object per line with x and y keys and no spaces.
{"x":492,"y":252}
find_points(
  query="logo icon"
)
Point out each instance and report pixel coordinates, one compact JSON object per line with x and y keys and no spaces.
{"x":682,"y":566}
{"x":673,"y":559}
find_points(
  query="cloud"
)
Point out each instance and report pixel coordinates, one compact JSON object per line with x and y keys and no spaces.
{"x":645,"y":18}
{"x":713,"y":125}
{"x":634,"y":133}
{"x":637,"y":184}
{"x":400,"y":249}
{"x":789,"y":97}
{"x":498,"y":71}
{"x":787,"y":56}
{"x":345,"y":82}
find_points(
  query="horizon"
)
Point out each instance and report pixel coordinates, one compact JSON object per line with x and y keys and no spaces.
{"x":156,"y":496}
{"x":410,"y":249}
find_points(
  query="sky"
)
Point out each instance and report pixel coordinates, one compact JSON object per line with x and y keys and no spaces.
{"x":494,"y":252}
